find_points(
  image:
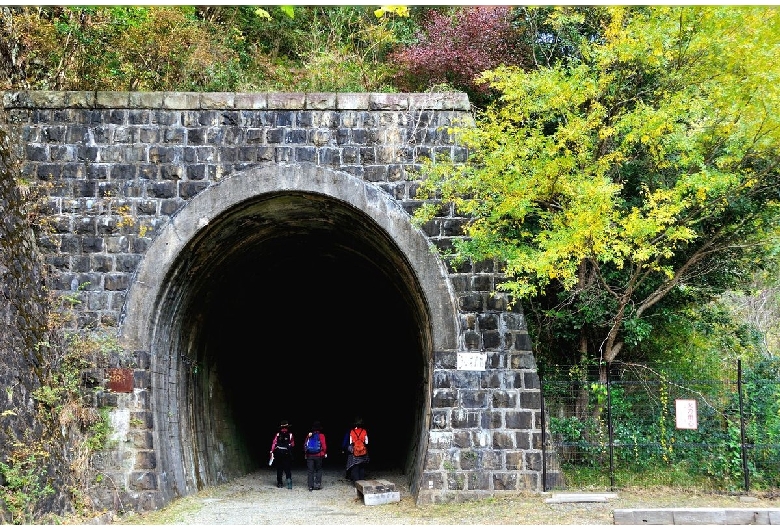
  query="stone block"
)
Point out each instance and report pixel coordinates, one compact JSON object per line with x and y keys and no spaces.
{"x":697,"y":516}
{"x":320,"y":100}
{"x":217,"y":100}
{"x":478,"y":480}
{"x":145,"y":460}
{"x":471,"y":399}
{"x":514,"y":460}
{"x":352,"y":101}
{"x":748,"y":516}
{"x":388,"y":101}
{"x":530,"y":399}
{"x":490,"y":379}
{"x":375,"y":499}
{"x":143,"y":480}
{"x":375,"y":492}
{"x":251,"y":101}
{"x":505,"y":481}
{"x":504,"y":399}
{"x":643,"y":516}
{"x":444,"y":398}
{"x":580,"y":497}
{"x":286,"y":100}
{"x":521,"y":419}
{"x":153,"y":100}
{"x":181,"y":100}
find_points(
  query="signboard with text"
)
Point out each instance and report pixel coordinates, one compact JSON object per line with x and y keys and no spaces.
{"x":472,"y":360}
{"x":686,"y":414}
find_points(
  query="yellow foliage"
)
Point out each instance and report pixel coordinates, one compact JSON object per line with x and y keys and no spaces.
{"x":401,"y":11}
{"x":630,"y":159}
{"x":262,"y":13}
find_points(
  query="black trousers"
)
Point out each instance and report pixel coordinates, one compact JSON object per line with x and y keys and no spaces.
{"x":283,"y":463}
{"x":314,"y":472}
{"x":358,"y":471}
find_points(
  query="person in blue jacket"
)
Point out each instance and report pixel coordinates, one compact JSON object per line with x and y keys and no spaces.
{"x":315,"y":453}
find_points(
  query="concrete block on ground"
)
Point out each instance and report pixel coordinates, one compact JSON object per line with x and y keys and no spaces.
{"x":697,"y":516}
{"x":650,"y":516}
{"x":748,"y":516}
{"x":375,"y":492}
{"x":580,"y":497}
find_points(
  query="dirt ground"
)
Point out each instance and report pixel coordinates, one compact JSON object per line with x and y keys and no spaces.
{"x":255,"y":499}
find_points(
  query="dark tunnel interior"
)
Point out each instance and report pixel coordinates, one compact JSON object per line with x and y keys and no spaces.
{"x":309,"y":325}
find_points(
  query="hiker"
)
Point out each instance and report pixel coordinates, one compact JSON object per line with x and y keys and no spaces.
{"x":315,"y":450}
{"x":357,"y":451}
{"x":281,"y":453}
{"x":344,"y":448}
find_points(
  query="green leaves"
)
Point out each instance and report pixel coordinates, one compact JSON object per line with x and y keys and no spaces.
{"x":636,"y":166}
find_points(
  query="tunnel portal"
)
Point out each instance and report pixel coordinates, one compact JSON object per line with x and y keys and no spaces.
{"x":295,"y":307}
{"x":288,"y":293}
{"x":253,"y":256}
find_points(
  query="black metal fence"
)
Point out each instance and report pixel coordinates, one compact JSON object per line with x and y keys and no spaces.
{"x":642,"y":429}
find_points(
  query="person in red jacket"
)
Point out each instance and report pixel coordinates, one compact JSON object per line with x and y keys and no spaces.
{"x":315,"y":450}
{"x":357,"y":451}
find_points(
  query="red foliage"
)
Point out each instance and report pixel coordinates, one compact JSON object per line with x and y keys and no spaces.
{"x":455,"y":49}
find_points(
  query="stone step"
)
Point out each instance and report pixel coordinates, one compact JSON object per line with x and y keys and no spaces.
{"x":375,"y":492}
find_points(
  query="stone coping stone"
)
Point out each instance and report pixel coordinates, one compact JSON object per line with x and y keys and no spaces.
{"x":51,"y":99}
{"x":376,"y":492}
{"x":689,"y":516}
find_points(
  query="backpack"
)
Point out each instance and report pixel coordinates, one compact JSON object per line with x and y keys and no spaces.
{"x":358,"y":447}
{"x":313,"y":444}
{"x":282,"y":441}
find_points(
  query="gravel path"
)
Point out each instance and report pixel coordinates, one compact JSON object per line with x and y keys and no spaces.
{"x":254,"y":499}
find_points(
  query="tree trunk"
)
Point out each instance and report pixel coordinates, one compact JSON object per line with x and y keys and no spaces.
{"x":583,"y":394}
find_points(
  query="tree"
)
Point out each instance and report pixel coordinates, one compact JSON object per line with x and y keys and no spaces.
{"x":641,"y":170}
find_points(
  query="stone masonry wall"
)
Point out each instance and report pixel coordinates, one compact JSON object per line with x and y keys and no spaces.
{"x":23,"y":333}
{"x":121,"y":164}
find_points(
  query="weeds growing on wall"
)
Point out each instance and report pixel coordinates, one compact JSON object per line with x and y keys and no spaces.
{"x":66,"y":401}
{"x":24,"y":483}
{"x":72,"y":429}
{"x":70,"y":423}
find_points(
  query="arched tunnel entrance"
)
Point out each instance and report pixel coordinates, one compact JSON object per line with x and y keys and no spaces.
{"x":305,"y":316}
{"x":289,"y":304}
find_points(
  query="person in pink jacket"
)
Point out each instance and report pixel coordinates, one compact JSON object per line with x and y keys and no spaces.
{"x":281,"y":451}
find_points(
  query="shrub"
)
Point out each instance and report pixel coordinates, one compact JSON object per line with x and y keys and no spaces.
{"x":453,"y":49}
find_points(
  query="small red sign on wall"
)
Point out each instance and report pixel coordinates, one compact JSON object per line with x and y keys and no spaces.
{"x":120,"y":379}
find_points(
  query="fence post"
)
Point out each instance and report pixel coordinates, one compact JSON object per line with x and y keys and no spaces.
{"x":609,"y":429}
{"x":544,"y":439}
{"x":745,"y":471}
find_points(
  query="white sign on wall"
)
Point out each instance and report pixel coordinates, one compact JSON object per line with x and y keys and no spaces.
{"x":472,"y":360}
{"x":687,"y":417}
